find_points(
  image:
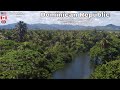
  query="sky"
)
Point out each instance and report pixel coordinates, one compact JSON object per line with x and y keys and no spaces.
{"x":84,"y":18}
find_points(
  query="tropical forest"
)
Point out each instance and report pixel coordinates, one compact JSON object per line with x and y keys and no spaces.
{"x":39,"y":54}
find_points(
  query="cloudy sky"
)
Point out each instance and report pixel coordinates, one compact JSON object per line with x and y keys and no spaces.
{"x":86,"y":18}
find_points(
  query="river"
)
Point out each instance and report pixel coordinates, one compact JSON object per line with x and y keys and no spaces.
{"x":79,"y":68}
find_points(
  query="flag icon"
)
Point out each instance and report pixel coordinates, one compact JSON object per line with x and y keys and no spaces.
{"x":3,"y":17}
{"x":3,"y":21}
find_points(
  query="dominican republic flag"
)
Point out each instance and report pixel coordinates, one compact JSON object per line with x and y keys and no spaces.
{"x":3,"y":17}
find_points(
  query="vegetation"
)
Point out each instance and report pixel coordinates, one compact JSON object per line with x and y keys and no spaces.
{"x":36,"y":54}
{"x":110,"y":70}
{"x":106,"y":56}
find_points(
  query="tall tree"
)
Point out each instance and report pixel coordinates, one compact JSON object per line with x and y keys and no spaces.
{"x":104,"y":43}
{"x":21,"y":29}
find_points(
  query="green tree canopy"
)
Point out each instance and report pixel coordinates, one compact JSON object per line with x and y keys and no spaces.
{"x":110,"y":70}
{"x":25,"y":64}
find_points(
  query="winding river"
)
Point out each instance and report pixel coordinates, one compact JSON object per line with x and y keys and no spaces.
{"x":79,"y":68}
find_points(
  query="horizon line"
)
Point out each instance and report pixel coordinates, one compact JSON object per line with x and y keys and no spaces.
{"x":62,"y":24}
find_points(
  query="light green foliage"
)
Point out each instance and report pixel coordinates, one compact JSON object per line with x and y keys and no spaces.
{"x":110,"y":70}
{"x":40,"y":52}
{"x":7,"y":45}
{"x":22,"y":64}
{"x":1,"y":37}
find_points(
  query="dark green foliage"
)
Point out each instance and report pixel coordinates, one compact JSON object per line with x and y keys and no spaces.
{"x":21,"y":30}
{"x":106,"y":50}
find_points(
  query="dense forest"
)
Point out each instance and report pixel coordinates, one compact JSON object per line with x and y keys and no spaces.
{"x":36,"y":54}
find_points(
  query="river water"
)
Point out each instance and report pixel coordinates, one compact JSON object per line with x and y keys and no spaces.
{"x":79,"y":68}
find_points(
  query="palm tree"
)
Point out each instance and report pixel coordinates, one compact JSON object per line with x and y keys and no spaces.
{"x":104,"y":43}
{"x":21,"y":29}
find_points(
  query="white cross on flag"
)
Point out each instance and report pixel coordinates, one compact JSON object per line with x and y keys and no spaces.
{"x":3,"y":17}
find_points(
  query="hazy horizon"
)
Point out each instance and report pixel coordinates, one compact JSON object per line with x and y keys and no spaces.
{"x":60,"y":24}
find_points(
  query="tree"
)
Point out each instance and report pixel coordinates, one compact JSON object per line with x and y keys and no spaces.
{"x":21,"y":29}
{"x":110,"y":70}
{"x":104,"y":43}
{"x":1,"y":37}
{"x":23,"y":64}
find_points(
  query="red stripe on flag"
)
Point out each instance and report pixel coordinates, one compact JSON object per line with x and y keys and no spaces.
{"x":3,"y":17}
